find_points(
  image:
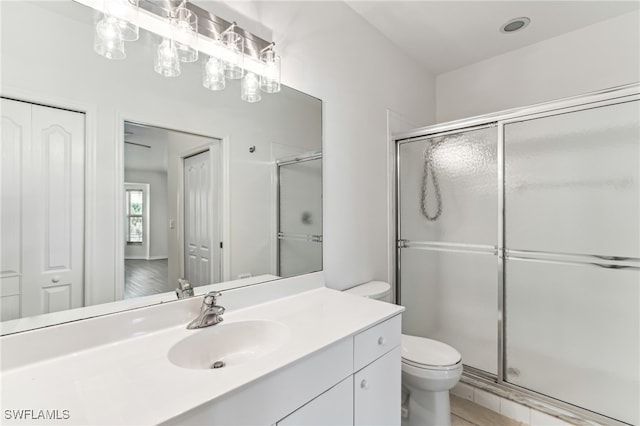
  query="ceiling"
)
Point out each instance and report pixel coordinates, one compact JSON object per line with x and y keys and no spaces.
{"x":146,"y":147}
{"x":446,"y":35}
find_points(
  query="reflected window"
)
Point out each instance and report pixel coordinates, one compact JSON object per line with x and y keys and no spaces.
{"x":134,"y":216}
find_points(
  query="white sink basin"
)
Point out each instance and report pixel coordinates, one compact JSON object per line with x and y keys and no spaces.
{"x":228,"y":344}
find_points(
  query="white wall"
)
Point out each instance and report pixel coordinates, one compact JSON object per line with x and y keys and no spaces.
{"x":596,"y":57}
{"x":158,"y":205}
{"x":331,"y":52}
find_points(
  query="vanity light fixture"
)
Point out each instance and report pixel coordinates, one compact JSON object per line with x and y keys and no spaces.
{"x":113,"y":26}
{"x":270,"y":78}
{"x":107,"y":38}
{"x":185,"y":24}
{"x":213,"y":73}
{"x":185,"y":31}
{"x":167,"y":60}
{"x":125,"y":12}
{"x":250,"y":88}
{"x":234,"y":43}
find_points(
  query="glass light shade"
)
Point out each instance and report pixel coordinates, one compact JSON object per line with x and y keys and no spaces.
{"x":107,"y":39}
{"x":213,"y":74}
{"x":126,"y":13}
{"x":250,"y":88}
{"x":234,"y":67}
{"x":270,"y":78}
{"x":185,"y":34}
{"x":167,"y":63}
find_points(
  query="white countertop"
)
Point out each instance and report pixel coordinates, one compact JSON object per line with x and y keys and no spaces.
{"x":131,"y":381}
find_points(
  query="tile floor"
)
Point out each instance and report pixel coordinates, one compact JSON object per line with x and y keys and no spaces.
{"x":467,"y":413}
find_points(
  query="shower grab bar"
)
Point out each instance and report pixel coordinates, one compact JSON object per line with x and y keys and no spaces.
{"x":450,"y":247}
{"x":300,"y":237}
{"x":613,"y":262}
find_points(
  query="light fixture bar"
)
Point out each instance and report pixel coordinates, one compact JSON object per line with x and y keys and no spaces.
{"x":151,"y":18}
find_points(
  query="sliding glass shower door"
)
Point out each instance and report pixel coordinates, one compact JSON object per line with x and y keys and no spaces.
{"x":448,"y":241}
{"x":299,"y":216}
{"x":572,"y":240}
{"x":519,"y":245}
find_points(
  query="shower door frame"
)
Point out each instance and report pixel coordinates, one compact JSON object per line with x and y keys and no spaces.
{"x":310,"y":156}
{"x":497,"y":384}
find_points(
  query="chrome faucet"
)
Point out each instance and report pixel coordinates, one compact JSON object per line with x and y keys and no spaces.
{"x":184,"y":289}
{"x":210,"y":312}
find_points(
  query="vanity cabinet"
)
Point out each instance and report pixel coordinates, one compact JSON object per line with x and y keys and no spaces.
{"x":377,"y":381}
{"x":334,"y":407}
{"x":377,"y":399}
{"x":371,"y":396}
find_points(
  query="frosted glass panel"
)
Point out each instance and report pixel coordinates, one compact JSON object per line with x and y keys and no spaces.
{"x":299,"y":257}
{"x":301,"y":198}
{"x":572,"y":333}
{"x":300,"y":218}
{"x":572,"y":182}
{"x":462,"y":169}
{"x":453,"y":297}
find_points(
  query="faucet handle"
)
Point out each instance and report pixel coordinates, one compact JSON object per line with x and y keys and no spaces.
{"x":211,"y":298}
{"x":184,"y":289}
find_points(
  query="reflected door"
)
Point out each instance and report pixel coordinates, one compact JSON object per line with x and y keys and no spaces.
{"x":200,"y":221}
{"x":299,"y":217}
{"x":42,"y":208}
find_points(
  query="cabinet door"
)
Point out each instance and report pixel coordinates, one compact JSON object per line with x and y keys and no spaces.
{"x":332,"y":408}
{"x":377,"y":391}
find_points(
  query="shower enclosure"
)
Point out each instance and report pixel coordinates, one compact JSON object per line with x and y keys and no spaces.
{"x":299,"y":233}
{"x":518,"y":243}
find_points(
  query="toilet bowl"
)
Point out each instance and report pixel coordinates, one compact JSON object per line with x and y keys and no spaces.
{"x":429,"y":369}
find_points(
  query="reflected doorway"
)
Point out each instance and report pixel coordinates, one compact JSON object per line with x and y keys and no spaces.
{"x":160,"y":213}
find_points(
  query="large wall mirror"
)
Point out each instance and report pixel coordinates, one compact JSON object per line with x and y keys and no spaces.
{"x":117,"y":181}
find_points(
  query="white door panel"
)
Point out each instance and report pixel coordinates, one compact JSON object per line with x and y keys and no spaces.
{"x":50,"y":189}
{"x":198,"y":218}
{"x":16,"y":129}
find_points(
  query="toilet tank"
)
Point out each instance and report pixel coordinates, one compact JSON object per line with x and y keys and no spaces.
{"x":378,"y":290}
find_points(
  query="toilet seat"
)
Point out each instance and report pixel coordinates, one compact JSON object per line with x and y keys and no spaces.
{"x":420,"y":352}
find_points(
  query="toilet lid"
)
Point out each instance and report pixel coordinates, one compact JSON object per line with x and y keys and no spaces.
{"x":372,"y":290}
{"x":423,"y":351}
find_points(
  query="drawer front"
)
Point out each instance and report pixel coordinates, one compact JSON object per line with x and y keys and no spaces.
{"x":376,"y":341}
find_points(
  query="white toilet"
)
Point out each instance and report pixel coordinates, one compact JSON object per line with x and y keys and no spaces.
{"x":429,"y":369}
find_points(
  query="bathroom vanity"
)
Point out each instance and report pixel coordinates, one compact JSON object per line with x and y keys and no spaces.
{"x":289,"y":352}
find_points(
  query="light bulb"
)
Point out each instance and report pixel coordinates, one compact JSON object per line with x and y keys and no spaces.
{"x":166,"y":61}
{"x":250,"y":88}
{"x":213,"y":74}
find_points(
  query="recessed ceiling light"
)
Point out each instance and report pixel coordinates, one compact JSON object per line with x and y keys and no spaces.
{"x":515,"y":24}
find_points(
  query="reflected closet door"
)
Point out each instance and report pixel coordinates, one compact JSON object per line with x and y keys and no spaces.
{"x":43,"y":250}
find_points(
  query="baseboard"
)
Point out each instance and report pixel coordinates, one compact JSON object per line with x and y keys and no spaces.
{"x":145,"y":257}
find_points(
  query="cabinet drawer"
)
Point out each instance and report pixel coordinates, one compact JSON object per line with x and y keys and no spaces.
{"x":376,"y":341}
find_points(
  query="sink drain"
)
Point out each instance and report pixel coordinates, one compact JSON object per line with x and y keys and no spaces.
{"x":217,"y":364}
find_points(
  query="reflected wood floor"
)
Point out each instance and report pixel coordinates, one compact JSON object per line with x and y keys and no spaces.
{"x":466,"y":413}
{"x":146,"y":277}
